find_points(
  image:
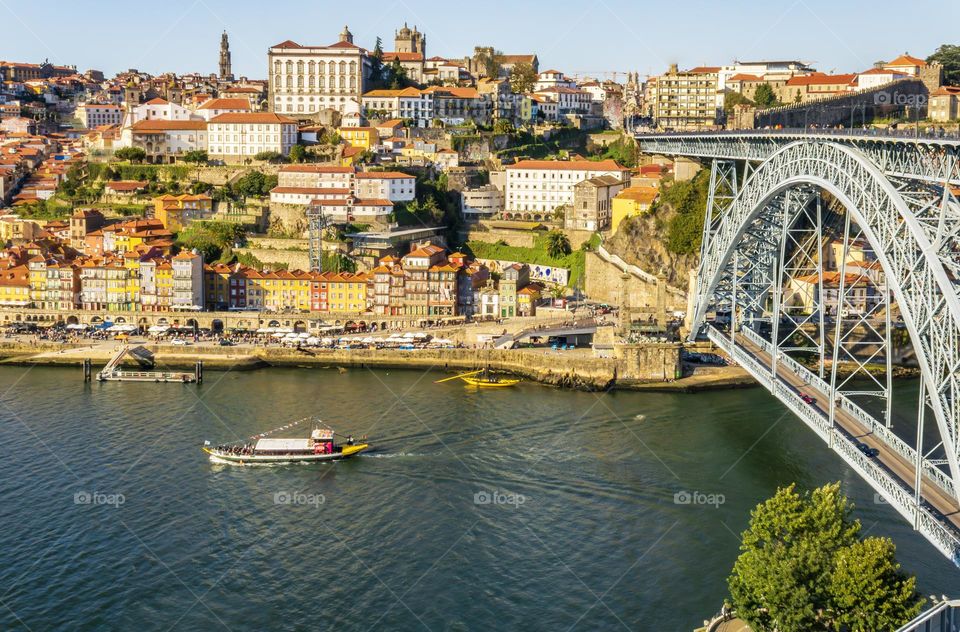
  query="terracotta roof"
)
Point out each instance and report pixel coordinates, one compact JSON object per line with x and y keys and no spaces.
{"x":820,"y":79}
{"x":251,"y":117}
{"x":568,"y":165}
{"x":383,"y":175}
{"x":356,"y":202}
{"x":157,"y":101}
{"x":906,"y":60}
{"x":316,"y":169}
{"x":163,"y":126}
{"x":310,"y":190}
{"x":226,"y":104}
{"x":402,"y":56}
{"x":287,"y":44}
{"x":644,"y":195}
{"x":387,"y":94}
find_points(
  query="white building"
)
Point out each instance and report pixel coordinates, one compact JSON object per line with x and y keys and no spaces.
{"x":408,"y":103}
{"x":305,"y":195}
{"x":552,"y":79}
{"x":160,"y":110}
{"x":187,"y":281}
{"x":351,"y":209}
{"x":164,"y":140}
{"x":307,"y":79}
{"x":386,"y":185}
{"x":481,"y":202}
{"x":542,"y":186}
{"x":238,"y":136}
{"x":317,"y":176}
{"x":568,"y":100}
{"x":215,"y":107}
{"x":92,"y":115}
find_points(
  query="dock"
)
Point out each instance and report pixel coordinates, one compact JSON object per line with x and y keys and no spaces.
{"x":113,"y":373}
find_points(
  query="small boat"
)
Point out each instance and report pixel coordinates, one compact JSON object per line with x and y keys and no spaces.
{"x":491,"y":381}
{"x":320,"y":446}
{"x":483,"y":378}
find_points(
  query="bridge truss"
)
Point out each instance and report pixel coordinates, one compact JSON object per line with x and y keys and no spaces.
{"x":818,"y":254}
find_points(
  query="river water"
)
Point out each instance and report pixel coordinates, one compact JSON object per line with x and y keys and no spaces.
{"x":527,"y":508}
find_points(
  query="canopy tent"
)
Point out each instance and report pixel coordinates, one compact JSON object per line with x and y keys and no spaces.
{"x":77,"y":326}
{"x":158,"y":329}
{"x":122,"y":328}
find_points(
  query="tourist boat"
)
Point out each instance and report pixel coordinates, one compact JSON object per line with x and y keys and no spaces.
{"x":484,"y":378}
{"x":320,"y":446}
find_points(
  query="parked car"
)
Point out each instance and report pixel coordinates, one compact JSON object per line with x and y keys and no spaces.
{"x":180,"y":342}
{"x":226,"y":343}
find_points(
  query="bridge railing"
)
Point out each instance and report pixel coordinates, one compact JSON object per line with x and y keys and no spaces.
{"x":890,"y":438}
{"x":891,"y":490}
{"x":905,"y":133}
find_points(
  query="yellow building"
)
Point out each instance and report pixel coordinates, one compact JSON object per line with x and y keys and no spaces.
{"x":176,"y":211}
{"x":363,"y":138}
{"x":284,"y":290}
{"x":15,"y":287}
{"x":164,"y":282}
{"x":38,"y":279}
{"x":340,"y":292}
{"x":630,"y":202}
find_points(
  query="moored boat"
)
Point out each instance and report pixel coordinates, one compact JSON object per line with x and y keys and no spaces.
{"x":320,"y":446}
{"x":483,"y":378}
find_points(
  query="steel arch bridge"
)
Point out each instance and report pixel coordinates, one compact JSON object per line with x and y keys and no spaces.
{"x":811,"y":245}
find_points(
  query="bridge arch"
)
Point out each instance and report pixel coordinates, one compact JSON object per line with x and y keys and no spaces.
{"x":909,"y":250}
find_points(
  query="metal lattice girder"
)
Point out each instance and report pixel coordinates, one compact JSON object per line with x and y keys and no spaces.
{"x":917,"y":273}
{"x":924,"y":159}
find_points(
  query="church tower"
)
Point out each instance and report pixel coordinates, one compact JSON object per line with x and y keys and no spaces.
{"x":407,"y":41}
{"x":346,"y":35}
{"x":226,"y":73}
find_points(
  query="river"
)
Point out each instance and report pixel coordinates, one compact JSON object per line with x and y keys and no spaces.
{"x":530,"y":507}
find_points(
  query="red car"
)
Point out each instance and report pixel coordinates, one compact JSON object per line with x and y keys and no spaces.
{"x":808,"y":399}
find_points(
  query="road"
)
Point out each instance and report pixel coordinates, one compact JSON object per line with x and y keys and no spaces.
{"x":891,"y":460}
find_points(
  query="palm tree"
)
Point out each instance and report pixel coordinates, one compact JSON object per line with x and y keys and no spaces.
{"x":557,"y":244}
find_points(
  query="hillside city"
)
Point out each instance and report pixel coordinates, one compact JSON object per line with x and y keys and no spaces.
{"x":359,"y":180}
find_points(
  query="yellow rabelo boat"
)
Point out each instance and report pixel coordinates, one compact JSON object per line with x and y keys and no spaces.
{"x":320,"y":446}
{"x":484,"y":378}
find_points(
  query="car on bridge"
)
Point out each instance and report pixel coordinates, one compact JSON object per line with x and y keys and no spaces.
{"x":867,"y":450}
{"x":806,"y":398}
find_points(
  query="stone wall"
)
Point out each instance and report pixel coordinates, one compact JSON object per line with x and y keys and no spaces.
{"x":603,"y":283}
{"x":289,"y":219}
{"x":295,"y":259}
{"x":523,"y":238}
{"x":648,"y":363}
{"x":277,"y":243}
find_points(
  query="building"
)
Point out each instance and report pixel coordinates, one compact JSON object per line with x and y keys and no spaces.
{"x":226,"y":72}
{"x":632,"y":201}
{"x":351,"y":209}
{"x":340,"y":292}
{"x":592,"y":202}
{"x":213,"y":108}
{"x":165,"y":141}
{"x":944,"y":104}
{"x":816,"y":86}
{"x":236,"y":137}
{"x":538,"y":188}
{"x":83,"y":222}
{"x":481,"y":202}
{"x":408,"y":103}
{"x":386,"y":185}
{"x":456,"y":105}
{"x":363,"y":138}
{"x":685,"y":99}
{"x":187,"y":270}
{"x":177,"y":211}
{"x":92,"y":115}
{"x":307,"y":79}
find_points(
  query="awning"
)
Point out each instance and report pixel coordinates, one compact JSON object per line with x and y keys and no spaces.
{"x":158,"y":329}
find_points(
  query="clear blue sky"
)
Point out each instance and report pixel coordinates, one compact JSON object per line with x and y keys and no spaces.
{"x":587,"y":36}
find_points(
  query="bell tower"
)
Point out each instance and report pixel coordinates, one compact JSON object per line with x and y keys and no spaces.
{"x":226,"y":72}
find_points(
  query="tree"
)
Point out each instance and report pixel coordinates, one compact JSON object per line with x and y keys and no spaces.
{"x":733,"y":99}
{"x":557,"y":244}
{"x":522,"y":78}
{"x":376,"y":64}
{"x":503,"y":126}
{"x":398,"y":76}
{"x":298,"y":153}
{"x":269,"y":156}
{"x":133,"y":154}
{"x":802,"y":567}
{"x":949,"y":56}
{"x":196,"y":157}
{"x":764,"y":96}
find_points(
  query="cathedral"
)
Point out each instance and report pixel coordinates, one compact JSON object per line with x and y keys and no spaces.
{"x":407,"y":41}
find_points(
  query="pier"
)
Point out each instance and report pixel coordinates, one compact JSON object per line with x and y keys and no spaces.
{"x":113,"y":373}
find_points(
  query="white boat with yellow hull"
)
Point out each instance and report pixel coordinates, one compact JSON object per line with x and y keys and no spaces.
{"x":320,"y":446}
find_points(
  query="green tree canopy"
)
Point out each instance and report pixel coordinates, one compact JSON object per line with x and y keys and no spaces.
{"x":269,"y":156}
{"x":733,"y":99}
{"x":803,"y":568}
{"x":133,"y":154}
{"x":298,"y":153}
{"x":398,"y":78}
{"x":196,"y":156}
{"x":522,"y":78}
{"x":949,"y":56}
{"x":765,"y":97}
{"x":558,"y":244}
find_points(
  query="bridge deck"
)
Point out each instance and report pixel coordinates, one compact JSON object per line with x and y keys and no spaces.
{"x":939,"y":505}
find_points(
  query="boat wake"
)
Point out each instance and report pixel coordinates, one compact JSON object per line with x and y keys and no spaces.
{"x":640,"y":417}
{"x":386,"y":455}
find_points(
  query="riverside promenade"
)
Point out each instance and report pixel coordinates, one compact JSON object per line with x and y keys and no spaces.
{"x":645,"y":367}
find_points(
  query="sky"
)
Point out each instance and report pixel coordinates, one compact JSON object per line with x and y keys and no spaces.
{"x":584,"y":37}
